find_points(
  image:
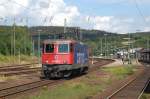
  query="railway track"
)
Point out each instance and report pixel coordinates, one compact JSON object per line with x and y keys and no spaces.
{"x":6,"y":92}
{"x":19,"y":72}
{"x":99,"y":63}
{"x":16,"y":90}
{"x":25,"y":68}
{"x":134,"y":88}
{"x":17,"y":65}
{"x":19,"y":69}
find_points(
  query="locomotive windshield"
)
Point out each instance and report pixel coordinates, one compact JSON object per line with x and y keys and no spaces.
{"x":63,"y":48}
{"x":49,"y":48}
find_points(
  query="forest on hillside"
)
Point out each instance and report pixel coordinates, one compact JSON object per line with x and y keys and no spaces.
{"x":98,"y":41}
{"x":14,"y":40}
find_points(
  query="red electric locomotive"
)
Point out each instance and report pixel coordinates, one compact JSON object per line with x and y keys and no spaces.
{"x":62,"y":58}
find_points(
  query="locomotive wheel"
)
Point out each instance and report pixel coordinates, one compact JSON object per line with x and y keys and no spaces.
{"x":85,"y":70}
{"x":59,"y":74}
{"x":47,"y":75}
{"x":67,"y":74}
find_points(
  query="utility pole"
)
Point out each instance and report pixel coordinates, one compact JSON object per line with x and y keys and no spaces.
{"x":136,"y":56}
{"x":76,"y":33}
{"x":27,"y":34}
{"x":80,"y":34}
{"x":33,"y":54}
{"x":39,"y":50}
{"x":129,"y":41}
{"x":19,"y":57}
{"x":65,"y":24}
{"x":14,"y":36}
{"x":11,"y":42}
{"x":148,"y":43}
{"x":105,"y":45}
{"x":148,"y":47}
{"x":33,"y":48}
{"x":101,"y":46}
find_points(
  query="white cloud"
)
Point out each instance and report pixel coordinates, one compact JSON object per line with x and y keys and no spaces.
{"x":147,"y":19}
{"x":111,"y":23}
{"x":110,"y":1}
{"x":56,"y":10}
{"x":53,"y":12}
{"x":146,"y":29}
{"x":102,"y":23}
{"x":11,"y":8}
{"x":39,"y":12}
{"x":120,"y":1}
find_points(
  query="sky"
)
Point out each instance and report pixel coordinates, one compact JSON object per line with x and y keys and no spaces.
{"x":121,"y":16}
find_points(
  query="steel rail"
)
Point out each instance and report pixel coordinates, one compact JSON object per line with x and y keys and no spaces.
{"x":139,"y":97}
{"x":18,"y":65}
{"x":25,"y":87}
{"x":114,"y":93}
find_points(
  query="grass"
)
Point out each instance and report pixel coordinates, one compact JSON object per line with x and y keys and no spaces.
{"x":83,"y":88}
{"x":86,"y":86}
{"x":120,"y":71}
{"x":11,"y":59}
{"x":145,"y":96}
{"x":3,"y":78}
{"x":75,"y":90}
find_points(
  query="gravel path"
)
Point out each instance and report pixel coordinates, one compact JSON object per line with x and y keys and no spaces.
{"x":118,"y":62}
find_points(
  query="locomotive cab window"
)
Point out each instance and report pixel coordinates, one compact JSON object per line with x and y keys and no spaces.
{"x":49,"y":48}
{"x":63,"y":48}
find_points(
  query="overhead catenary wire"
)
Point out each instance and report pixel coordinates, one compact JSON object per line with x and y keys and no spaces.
{"x":28,"y":8}
{"x":140,"y":12}
{"x":35,"y":10}
{"x":13,"y":51}
{"x":23,"y":5}
{"x":143,"y":17}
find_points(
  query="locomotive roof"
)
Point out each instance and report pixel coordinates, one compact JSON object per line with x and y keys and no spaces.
{"x":60,"y":40}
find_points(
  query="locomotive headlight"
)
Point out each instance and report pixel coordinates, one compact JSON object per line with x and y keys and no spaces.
{"x":65,"y":62}
{"x":46,"y":61}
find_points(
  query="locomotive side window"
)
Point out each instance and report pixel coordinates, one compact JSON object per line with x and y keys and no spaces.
{"x":42,"y":48}
{"x":71,"y":47}
{"x":49,"y":48}
{"x":63,"y":48}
